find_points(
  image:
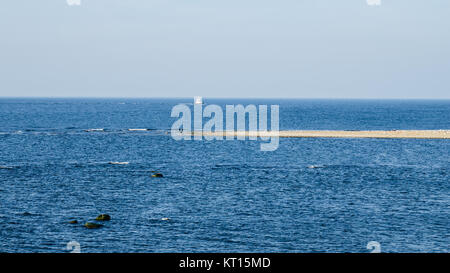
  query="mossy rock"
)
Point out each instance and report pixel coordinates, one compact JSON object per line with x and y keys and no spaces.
{"x":73,"y":222}
{"x":157,"y":175}
{"x":103,"y":217}
{"x":92,"y":225}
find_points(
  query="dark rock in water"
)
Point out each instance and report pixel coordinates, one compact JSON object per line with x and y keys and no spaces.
{"x":73,"y":222}
{"x":26,"y":214}
{"x":92,"y":225}
{"x":103,"y":217}
{"x":157,"y":175}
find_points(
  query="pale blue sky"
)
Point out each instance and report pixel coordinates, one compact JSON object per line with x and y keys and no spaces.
{"x":225,"y":48}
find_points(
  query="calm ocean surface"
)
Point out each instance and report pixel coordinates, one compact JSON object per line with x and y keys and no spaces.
{"x":221,"y":196}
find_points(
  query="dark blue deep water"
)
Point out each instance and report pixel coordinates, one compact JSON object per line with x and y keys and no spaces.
{"x":221,"y":196}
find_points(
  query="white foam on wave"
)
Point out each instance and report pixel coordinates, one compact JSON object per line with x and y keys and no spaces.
{"x":137,"y":129}
{"x":315,"y":166}
{"x":95,"y":130}
{"x":118,"y":163}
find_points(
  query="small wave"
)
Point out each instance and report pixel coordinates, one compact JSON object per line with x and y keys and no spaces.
{"x":118,"y":163}
{"x":6,"y":167}
{"x":228,"y":166}
{"x":95,"y":130}
{"x":315,"y":166}
{"x":26,"y":213}
{"x":138,"y":130}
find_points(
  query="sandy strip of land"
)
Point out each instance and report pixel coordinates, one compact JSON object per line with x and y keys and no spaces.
{"x":427,"y":134}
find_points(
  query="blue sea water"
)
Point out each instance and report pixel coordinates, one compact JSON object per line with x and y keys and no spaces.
{"x":221,"y":196}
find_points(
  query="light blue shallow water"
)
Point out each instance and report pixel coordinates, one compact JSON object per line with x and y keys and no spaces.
{"x":221,"y":196}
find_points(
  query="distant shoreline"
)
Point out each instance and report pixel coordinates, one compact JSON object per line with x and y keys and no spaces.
{"x":182,"y":98}
{"x":418,"y":134}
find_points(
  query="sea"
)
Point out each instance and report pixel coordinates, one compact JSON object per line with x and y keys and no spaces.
{"x":65,"y":159}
